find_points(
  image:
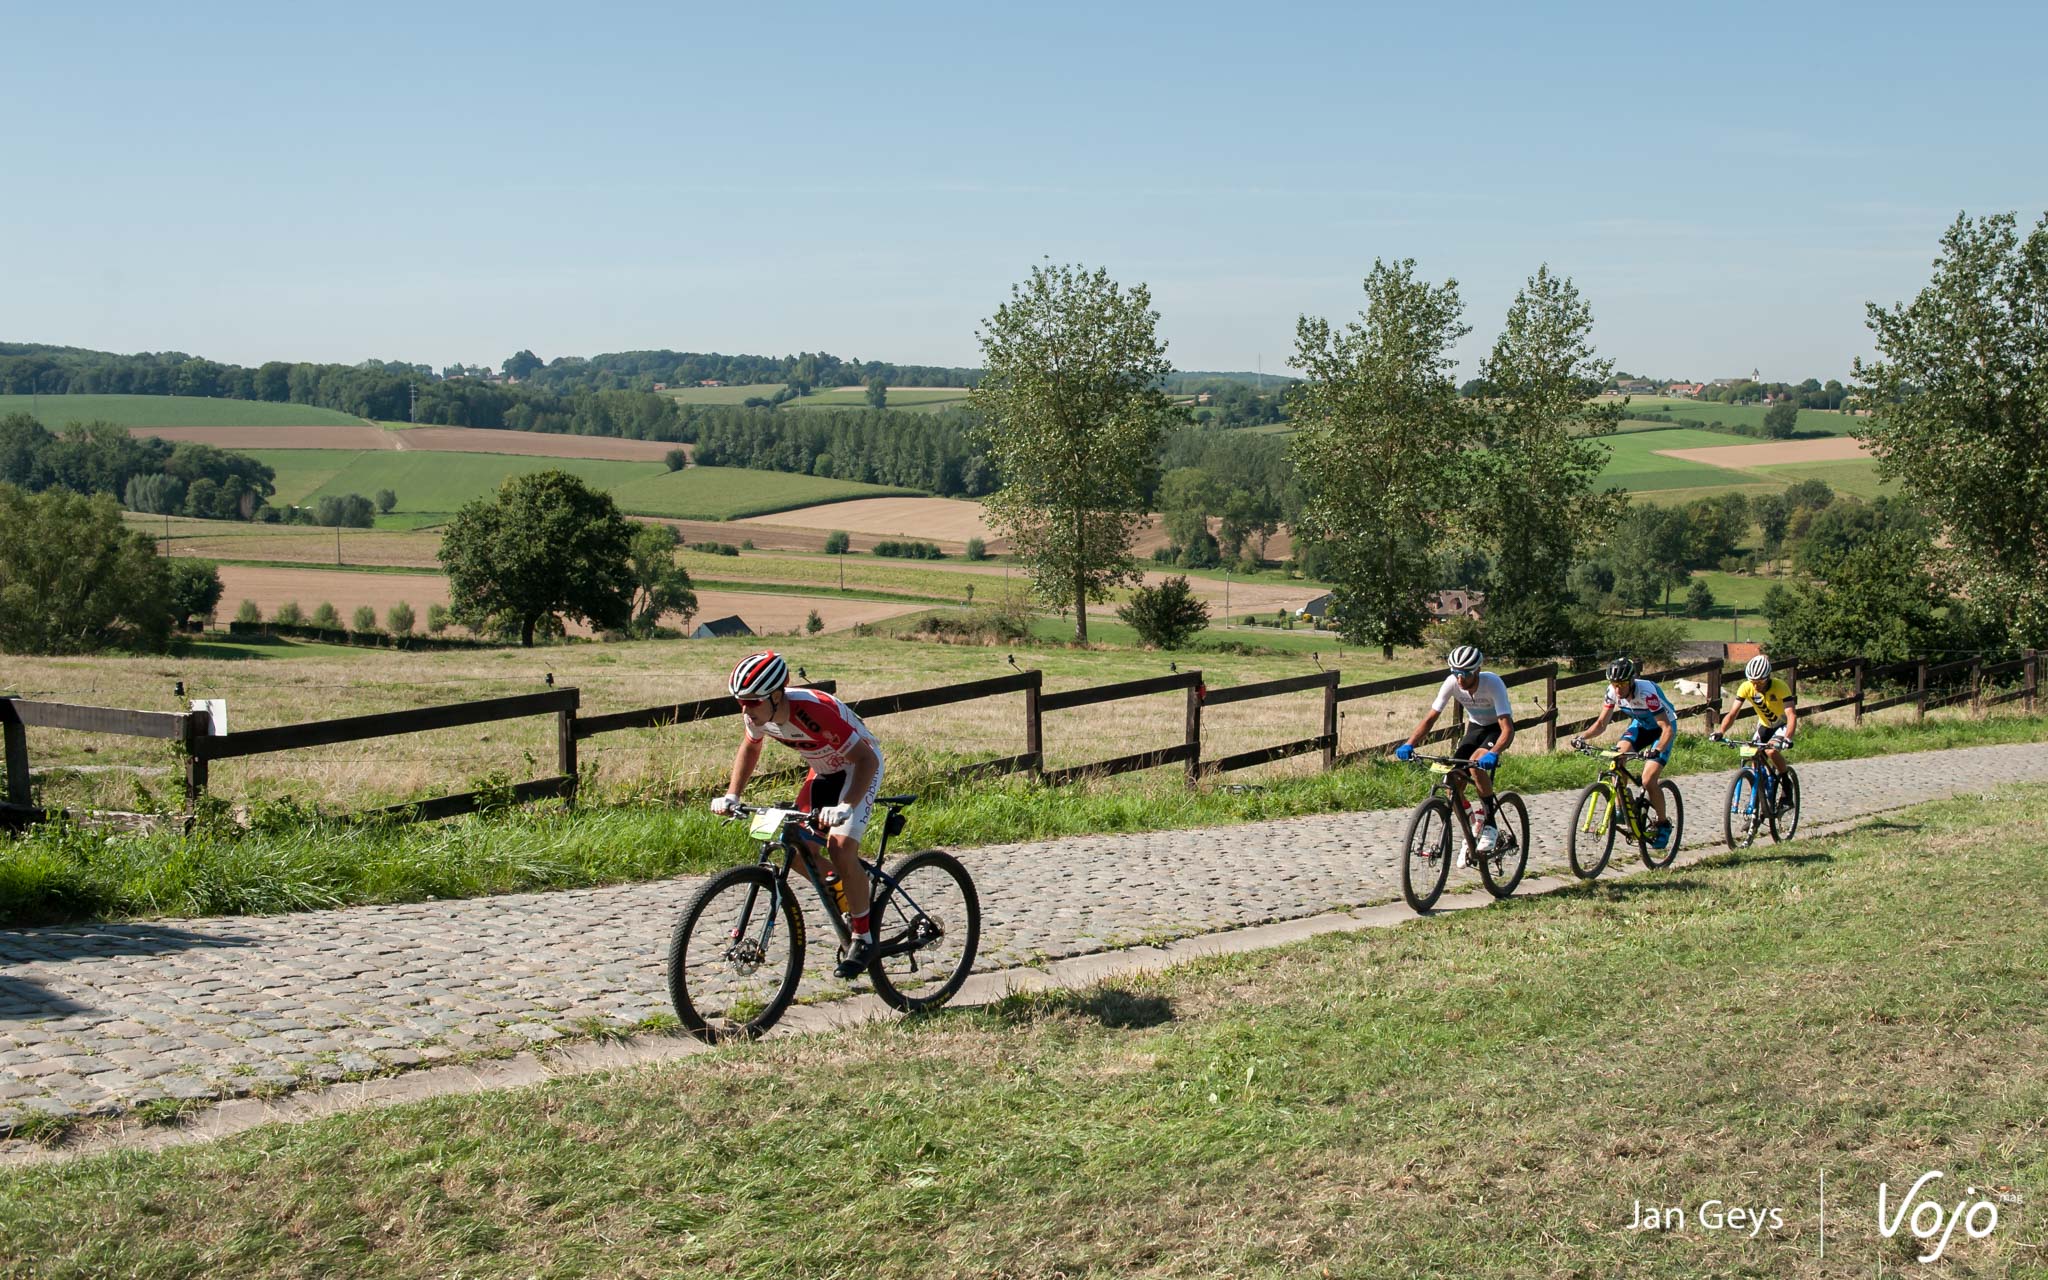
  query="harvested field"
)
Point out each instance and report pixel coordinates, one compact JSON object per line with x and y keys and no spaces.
{"x":270,"y":587}
{"x":335,"y":437}
{"x":1739,"y":456}
{"x":933,"y":519}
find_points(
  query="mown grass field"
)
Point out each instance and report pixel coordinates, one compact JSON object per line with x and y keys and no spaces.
{"x":1637,"y":465}
{"x":922,"y":399}
{"x":436,"y":483}
{"x":737,"y":394}
{"x":172,"y":411}
{"x":1488,"y":1094}
{"x":1811,"y":421}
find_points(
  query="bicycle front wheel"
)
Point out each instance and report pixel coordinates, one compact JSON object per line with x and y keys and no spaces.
{"x":1591,"y":841}
{"x":1745,"y":813}
{"x":1426,"y":854}
{"x":927,"y":930}
{"x":1501,"y":867}
{"x":1785,"y":819}
{"x":1674,"y":808}
{"x":736,"y":955}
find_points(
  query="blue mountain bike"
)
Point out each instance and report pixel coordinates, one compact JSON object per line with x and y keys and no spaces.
{"x":1758,"y":797}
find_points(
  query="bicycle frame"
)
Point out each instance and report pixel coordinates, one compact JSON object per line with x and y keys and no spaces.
{"x":796,"y":843}
{"x":1448,"y":769}
{"x":1619,"y":785}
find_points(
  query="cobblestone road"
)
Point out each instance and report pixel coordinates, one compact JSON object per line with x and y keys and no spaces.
{"x":97,"y":1019}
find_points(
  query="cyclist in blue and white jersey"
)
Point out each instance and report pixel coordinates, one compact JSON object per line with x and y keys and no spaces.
{"x":1490,"y":727}
{"x":1650,"y":721}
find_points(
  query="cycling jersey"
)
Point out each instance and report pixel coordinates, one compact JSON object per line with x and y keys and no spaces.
{"x":821,"y":728}
{"x":1770,"y":701}
{"x":1644,"y":705}
{"x":1485,"y":703}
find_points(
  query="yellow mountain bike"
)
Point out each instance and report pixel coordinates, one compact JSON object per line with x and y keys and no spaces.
{"x":1614,"y":804}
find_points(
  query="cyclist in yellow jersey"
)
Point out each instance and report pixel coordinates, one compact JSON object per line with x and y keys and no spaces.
{"x":1777,"y":714}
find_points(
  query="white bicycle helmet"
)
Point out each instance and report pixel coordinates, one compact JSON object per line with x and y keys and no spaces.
{"x":1622,"y":670}
{"x":759,"y":675}
{"x":1466,"y":659}
{"x":1757,"y":668}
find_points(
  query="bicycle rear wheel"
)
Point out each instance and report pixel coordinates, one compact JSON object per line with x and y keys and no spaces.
{"x":1501,"y":867}
{"x":1745,"y":811}
{"x":733,"y":965}
{"x":1591,"y":841}
{"x":1674,"y":808}
{"x":1426,"y":854}
{"x":1783,"y":824}
{"x":927,"y":930}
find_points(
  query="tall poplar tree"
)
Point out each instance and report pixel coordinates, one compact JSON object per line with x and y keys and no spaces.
{"x":1070,"y":410}
{"x":1380,"y":428}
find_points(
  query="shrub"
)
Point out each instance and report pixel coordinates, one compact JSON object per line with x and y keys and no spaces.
{"x":74,"y":578}
{"x":1699,"y":598}
{"x":813,"y":624}
{"x":715,"y":548}
{"x":746,"y":544}
{"x":676,"y":459}
{"x":289,"y":614}
{"x":910,"y":550}
{"x":386,"y":500}
{"x":977,"y":549}
{"x":438,"y":618}
{"x":327,"y":617}
{"x":1166,"y":616}
{"x":195,"y":590}
{"x":836,"y":542}
{"x":248,"y":612}
{"x":365,"y":618}
{"x":399,"y":619}
{"x":1007,"y":623}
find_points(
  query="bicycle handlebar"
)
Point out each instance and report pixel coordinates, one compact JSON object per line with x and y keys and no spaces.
{"x":1453,"y":761}
{"x":1772,"y":744}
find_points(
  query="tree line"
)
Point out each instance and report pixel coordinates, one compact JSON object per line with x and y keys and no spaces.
{"x":640,"y":370}
{"x":146,"y":473}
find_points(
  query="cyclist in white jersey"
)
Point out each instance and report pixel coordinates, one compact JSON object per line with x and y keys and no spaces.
{"x":845,"y":774}
{"x":1490,"y":728}
{"x":1652,"y":726}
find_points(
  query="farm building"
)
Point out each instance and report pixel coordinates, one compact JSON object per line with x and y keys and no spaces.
{"x":718,"y":628}
{"x":1690,"y":390}
{"x":1457,"y":604}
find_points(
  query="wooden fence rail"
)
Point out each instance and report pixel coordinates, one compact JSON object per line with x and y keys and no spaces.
{"x":1931,"y":686}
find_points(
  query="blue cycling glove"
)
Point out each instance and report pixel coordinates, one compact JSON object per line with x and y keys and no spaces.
{"x":1404,"y":752}
{"x":1489,"y":760}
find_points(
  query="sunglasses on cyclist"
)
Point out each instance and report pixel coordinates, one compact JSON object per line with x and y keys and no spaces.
{"x":750,"y":703}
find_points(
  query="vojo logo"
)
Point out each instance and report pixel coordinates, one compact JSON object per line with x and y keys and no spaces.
{"x":1928,"y":1220}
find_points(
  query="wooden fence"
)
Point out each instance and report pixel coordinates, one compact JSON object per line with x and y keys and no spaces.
{"x":1927,"y":686}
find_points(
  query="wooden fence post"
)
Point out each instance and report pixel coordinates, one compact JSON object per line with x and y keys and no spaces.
{"x":1857,"y":667}
{"x":1034,"y":726}
{"x":1550,"y":708}
{"x":16,"y":735}
{"x":1330,"y":722}
{"x":2032,"y":678}
{"x":565,"y":743}
{"x":1976,"y":687}
{"x":1920,"y":701}
{"x":1194,"y":738}
{"x":1714,"y":692}
{"x":1791,"y":674}
{"x":198,"y":724}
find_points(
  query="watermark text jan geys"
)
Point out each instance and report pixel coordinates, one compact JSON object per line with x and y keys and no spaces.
{"x":1712,"y":1214}
{"x":1919,"y":1212}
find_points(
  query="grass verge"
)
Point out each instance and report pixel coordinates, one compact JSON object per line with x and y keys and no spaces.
{"x":291,"y":859}
{"x":1489,"y":1094}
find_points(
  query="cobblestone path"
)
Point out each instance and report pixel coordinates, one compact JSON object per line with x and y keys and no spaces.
{"x":96,"y":1019}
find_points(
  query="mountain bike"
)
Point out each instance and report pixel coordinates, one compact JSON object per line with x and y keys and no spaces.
{"x":1756,"y":795}
{"x":1616,"y":803}
{"x":737,"y":952}
{"x":1426,"y":856}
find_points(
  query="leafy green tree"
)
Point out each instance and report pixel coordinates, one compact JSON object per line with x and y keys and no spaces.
{"x":1166,"y":616}
{"x":1781,"y":420}
{"x":1772,"y":515}
{"x":1836,"y":531}
{"x":1530,"y":496}
{"x":836,"y":542}
{"x":1699,"y":599}
{"x":1187,"y":497}
{"x":1070,"y":411}
{"x":74,"y":579}
{"x":249,"y":613}
{"x":326,"y":617}
{"x":399,"y":619}
{"x":878,"y":393}
{"x":660,"y":586}
{"x":676,"y":459}
{"x":349,"y":511}
{"x":289,"y":614}
{"x":1959,"y":397}
{"x":365,"y":618}
{"x":977,"y":549}
{"x":545,"y":547}
{"x":195,"y":590}
{"x":523,"y":365}
{"x":386,"y":500}
{"x":438,"y":618}
{"x":1381,"y":422}
{"x":1878,"y":602}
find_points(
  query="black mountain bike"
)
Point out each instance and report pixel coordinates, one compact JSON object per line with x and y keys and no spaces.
{"x":1426,"y":856}
{"x":1618,"y":803}
{"x":737,"y":952}
{"x":1757,"y":796}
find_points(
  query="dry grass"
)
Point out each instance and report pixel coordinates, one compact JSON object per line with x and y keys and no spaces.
{"x":948,"y":520}
{"x":1740,"y":456}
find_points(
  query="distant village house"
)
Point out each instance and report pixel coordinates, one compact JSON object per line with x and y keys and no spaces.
{"x":721,"y":628}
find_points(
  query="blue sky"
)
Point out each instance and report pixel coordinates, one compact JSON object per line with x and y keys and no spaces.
{"x":1728,"y":184}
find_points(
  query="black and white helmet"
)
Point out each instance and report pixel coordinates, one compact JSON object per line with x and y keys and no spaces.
{"x":1757,"y":668}
{"x":1465,"y":659}
{"x":1622,"y":670}
{"x":759,"y":675}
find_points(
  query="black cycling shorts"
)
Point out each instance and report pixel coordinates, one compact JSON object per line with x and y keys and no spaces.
{"x":1478,"y":740}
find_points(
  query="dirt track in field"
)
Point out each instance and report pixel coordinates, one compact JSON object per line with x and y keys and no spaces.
{"x":271,"y":587}
{"x":1738,"y":456}
{"x":530,"y":444}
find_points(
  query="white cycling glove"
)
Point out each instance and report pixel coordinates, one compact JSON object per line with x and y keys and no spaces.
{"x":724,"y":805}
{"x":833,"y":815}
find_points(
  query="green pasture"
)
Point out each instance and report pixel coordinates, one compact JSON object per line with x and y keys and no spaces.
{"x":1812,"y":422}
{"x":738,"y":394}
{"x":172,"y":411}
{"x":922,"y":399}
{"x":1636,"y":464}
{"x":1856,"y":477}
{"x":730,"y":493}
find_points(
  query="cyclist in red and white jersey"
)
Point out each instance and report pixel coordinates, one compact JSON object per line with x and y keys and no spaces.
{"x":845,"y":774}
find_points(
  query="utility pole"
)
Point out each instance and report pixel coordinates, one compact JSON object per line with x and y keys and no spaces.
{"x":337,"y":542}
{"x":412,"y":413}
